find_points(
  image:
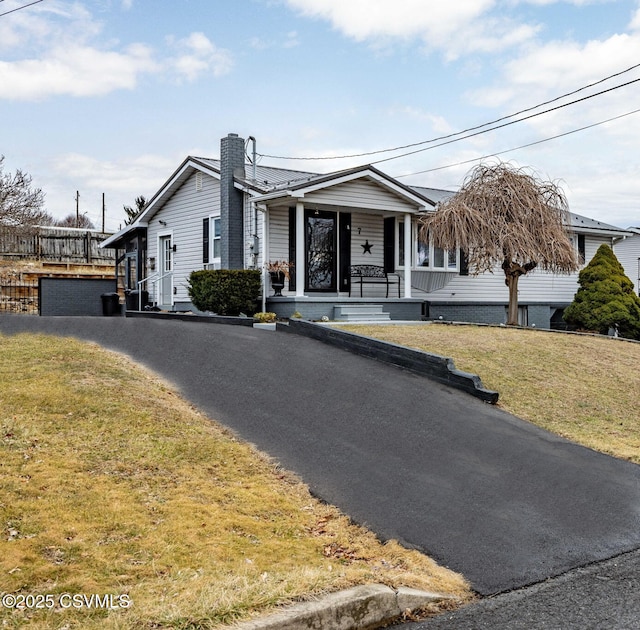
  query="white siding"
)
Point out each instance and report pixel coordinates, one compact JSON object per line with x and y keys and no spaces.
{"x":279,"y":234}
{"x":628,"y":253}
{"x":536,"y":287}
{"x":183,"y":214}
{"x":367,"y":227}
{"x":360,"y":193}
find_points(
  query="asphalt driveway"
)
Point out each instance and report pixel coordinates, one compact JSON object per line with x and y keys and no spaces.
{"x":482,"y":492}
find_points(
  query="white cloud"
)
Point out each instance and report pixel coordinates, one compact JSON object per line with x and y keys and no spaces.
{"x":289,"y":40}
{"x":364,"y":19}
{"x":437,"y":123}
{"x":578,"y":3}
{"x":197,"y":55}
{"x":556,"y":65}
{"x":457,"y":28}
{"x":120,"y":180}
{"x":76,"y":71}
{"x":548,"y":70}
{"x":44,"y":24}
{"x":67,"y":56}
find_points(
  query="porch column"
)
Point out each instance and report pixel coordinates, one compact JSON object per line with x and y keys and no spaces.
{"x":300,"y":267}
{"x":264,"y":255}
{"x":408,"y":249}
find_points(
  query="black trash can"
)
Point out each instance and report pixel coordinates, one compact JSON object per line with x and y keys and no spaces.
{"x":135,"y":301}
{"x":110,"y":304}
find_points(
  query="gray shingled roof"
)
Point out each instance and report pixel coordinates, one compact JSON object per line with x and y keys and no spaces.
{"x":435,"y":194}
{"x":269,"y":178}
{"x":585,"y":223}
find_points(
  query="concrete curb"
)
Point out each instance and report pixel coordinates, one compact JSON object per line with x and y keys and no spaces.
{"x":436,"y":367}
{"x":358,"y":608}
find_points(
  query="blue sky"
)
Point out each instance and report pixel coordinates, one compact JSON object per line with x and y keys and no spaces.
{"x":109,"y":96}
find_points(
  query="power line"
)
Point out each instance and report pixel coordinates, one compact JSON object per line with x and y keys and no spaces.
{"x":470,"y":129}
{"x":24,"y":6}
{"x":523,"y":146}
{"x":507,"y":124}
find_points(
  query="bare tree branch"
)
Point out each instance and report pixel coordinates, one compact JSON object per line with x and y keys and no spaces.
{"x":503,"y":216}
{"x":20,"y":204}
{"x":76,"y":221}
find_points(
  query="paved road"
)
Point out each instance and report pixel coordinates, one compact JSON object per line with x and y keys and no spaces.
{"x":605,"y":595}
{"x":482,"y":492}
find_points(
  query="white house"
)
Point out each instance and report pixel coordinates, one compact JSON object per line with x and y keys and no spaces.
{"x":627,"y":251}
{"x":229,"y":214}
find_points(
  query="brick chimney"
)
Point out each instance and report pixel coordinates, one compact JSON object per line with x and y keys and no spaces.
{"x":231,"y":202}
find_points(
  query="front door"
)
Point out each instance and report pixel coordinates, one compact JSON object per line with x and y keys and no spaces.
{"x":165,"y":284}
{"x":321,"y":259}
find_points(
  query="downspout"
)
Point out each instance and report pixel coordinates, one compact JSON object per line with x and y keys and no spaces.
{"x":254,"y":234}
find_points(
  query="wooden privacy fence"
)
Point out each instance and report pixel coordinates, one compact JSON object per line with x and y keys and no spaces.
{"x":55,"y":244}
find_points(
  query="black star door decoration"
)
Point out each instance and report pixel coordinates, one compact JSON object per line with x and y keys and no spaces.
{"x":367,"y":247}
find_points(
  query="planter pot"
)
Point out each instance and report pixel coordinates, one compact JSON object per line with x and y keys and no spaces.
{"x":277,"y":282}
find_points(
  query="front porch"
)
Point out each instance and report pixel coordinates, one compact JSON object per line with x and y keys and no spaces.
{"x":337,"y":308}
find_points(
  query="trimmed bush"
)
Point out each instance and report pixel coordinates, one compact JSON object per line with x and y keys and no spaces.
{"x":605,"y":298}
{"x":225,"y":291}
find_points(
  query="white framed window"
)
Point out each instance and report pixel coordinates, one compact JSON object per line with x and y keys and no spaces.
{"x":211,"y":243}
{"x":425,"y":255}
{"x":215,"y":239}
{"x":579,"y":244}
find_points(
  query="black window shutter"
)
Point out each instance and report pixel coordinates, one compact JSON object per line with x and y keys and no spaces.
{"x":389,"y":244}
{"x":345,"y":252}
{"x":205,"y":241}
{"x":292,"y":248}
{"x":464,"y":263}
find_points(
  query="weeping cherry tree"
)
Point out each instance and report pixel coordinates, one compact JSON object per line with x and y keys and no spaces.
{"x":505,"y":216}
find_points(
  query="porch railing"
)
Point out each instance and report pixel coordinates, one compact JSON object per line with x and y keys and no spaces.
{"x":153,"y":279}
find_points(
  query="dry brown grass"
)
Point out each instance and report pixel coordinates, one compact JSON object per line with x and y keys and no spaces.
{"x":112,"y":484}
{"x":584,"y":388}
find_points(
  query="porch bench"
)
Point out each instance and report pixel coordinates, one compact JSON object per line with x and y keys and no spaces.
{"x":372,"y":274}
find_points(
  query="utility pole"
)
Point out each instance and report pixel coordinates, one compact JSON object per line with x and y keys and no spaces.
{"x":77,"y":208}
{"x":103,"y":212}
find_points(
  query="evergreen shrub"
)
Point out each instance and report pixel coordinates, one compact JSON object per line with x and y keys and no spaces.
{"x":605,"y":298}
{"x":225,"y":291}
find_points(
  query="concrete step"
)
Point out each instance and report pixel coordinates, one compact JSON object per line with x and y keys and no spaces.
{"x":360,"y":312}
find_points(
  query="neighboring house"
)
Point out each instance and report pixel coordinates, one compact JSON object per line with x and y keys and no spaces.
{"x":226,"y":214}
{"x":628,"y":253}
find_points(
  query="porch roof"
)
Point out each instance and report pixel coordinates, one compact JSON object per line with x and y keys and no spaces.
{"x":308,"y":183}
